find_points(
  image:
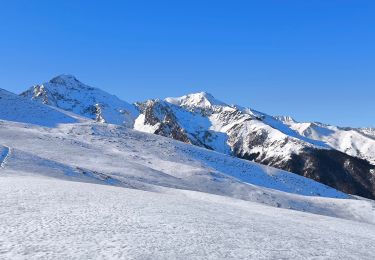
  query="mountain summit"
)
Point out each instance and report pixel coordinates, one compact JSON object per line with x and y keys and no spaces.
{"x":202,"y":100}
{"x":67,"y":80}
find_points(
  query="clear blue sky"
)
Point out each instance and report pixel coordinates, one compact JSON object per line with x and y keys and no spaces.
{"x":314,"y":60}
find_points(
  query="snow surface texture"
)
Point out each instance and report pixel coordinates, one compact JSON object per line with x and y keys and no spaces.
{"x":54,"y":219}
{"x":67,"y":93}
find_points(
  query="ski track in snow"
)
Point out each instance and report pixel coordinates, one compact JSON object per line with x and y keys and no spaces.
{"x":4,"y":154}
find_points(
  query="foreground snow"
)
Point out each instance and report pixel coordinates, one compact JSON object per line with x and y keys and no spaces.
{"x":55,"y":219}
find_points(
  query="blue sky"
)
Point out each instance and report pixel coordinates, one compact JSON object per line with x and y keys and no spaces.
{"x":313,"y":60}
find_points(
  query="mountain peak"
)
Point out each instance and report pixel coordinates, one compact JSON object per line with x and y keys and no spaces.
{"x":194,"y":100}
{"x":64,"y":79}
{"x":286,"y":119}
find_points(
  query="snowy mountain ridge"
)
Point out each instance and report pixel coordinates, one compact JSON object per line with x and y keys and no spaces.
{"x":202,"y":120}
{"x":357,"y":142}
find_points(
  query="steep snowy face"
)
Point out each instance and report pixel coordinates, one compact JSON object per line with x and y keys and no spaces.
{"x":68,"y":93}
{"x":19,"y":109}
{"x":202,"y":120}
{"x":359,"y":142}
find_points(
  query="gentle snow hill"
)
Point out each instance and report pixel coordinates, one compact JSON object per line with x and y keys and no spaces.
{"x":55,"y":219}
{"x":16,"y":108}
{"x":68,"y":93}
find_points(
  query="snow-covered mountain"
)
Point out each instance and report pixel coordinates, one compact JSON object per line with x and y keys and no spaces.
{"x":67,"y":93}
{"x":72,"y":187}
{"x":323,"y":155}
{"x":202,"y":120}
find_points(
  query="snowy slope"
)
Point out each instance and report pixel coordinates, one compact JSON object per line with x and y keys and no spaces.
{"x":54,"y":219}
{"x":67,"y":93}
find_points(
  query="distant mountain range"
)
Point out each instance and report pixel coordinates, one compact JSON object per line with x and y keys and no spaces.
{"x":343,"y":158}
